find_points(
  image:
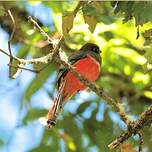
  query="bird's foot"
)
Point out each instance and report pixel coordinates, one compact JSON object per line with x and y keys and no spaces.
{"x":51,"y":123}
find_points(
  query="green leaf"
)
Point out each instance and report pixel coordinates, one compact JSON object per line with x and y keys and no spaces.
{"x":2,"y":11}
{"x":56,"y":6}
{"x":83,"y":107}
{"x":41,"y":149}
{"x":73,"y":130}
{"x":39,"y":81}
{"x":141,"y":11}
{"x":148,"y":55}
{"x":67,"y":23}
{"x":1,"y":142}
{"x":34,"y":114}
{"x":91,"y":21}
{"x":14,"y":71}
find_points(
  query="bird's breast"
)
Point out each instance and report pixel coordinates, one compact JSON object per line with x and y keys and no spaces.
{"x":88,"y":67}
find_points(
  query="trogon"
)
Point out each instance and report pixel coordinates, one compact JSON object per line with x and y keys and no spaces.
{"x":87,"y":62}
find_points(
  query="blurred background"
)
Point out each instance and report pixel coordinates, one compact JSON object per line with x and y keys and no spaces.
{"x":87,"y":123}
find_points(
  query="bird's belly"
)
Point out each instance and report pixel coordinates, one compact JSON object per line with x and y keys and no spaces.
{"x":89,"y":68}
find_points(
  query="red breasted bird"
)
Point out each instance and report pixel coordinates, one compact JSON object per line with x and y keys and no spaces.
{"x":87,"y":62}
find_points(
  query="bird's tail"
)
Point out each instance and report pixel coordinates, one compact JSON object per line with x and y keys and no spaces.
{"x":55,"y":108}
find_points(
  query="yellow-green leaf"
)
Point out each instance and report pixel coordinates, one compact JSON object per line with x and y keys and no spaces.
{"x":2,"y":11}
{"x":15,"y":69}
{"x":148,"y":55}
{"x":67,"y":23}
{"x":91,"y":21}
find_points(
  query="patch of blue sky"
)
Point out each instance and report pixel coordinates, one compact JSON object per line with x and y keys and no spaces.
{"x":9,"y":115}
{"x":10,"y":102}
{"x":93,"y":149}
{"x":41,"y":12}
{"x":88,"y":111}
{"x":72,"y":105}
{"x":41,"y":100}
{"x":26,"y":77}
{"x":25,"y":138}
{"x":62,"y":146}
{"x":101,"y":110}
{"x":85,"y":140}
{"x":3,"y":45}
{"x":116,"y":119}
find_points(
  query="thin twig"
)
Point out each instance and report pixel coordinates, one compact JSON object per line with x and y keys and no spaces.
{"x":141,"y":142}
{"x":10,"y":39}
{"x":12,"y":34}
{"x":22,"y":68}
{"x":35,"y":24}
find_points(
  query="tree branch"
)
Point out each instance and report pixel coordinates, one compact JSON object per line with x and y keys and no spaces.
{"x":12,"y":34}
{"x":144,"y":119}
{"x":43,"y":33}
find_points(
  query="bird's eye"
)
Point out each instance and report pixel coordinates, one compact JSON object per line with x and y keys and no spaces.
{"x":95,"y":49}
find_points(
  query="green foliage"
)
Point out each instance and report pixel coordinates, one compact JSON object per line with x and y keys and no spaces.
{"x":38,"y":81}
{"x":1,"y":143}
{"x":34,"y":114}
{"x":126,"y":72}
{"x":141,"y":11}
{"x":2,"y":11}
{"x":67,"y":23}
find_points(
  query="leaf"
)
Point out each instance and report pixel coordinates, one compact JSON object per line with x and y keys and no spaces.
{"x":97,"y":5}
{"x":91,"y":21}
{"x":2,"y":11}
{"x":73,"y":130}
{"x":34,"y":114}
{"x":148,"y":55}
{"x":1,"y":142}
{"x":141,"y":11}
{"x":14,"y":71}
{"x":56,"y":6}
{"x":67,"y":23}
{"x":148,"y":33}
{"x":38,"y":81}
{"x":83,"y":107}
{"x":41,"y":148}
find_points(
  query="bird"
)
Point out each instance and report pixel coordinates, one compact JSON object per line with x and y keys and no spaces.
{"x":87,"y":62}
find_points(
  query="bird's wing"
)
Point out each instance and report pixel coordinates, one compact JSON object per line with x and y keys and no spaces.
{"x":72,"y":59}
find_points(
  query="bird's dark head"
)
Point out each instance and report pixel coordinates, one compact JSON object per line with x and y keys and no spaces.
{"x":91,"y":47}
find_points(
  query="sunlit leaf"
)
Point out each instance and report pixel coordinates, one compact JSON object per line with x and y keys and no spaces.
{"x":34,"y":114}
{"x":91,"y":21}
{"x":2,"y":11}
{"x":67,"y":23}
{"x":148,"y":55}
